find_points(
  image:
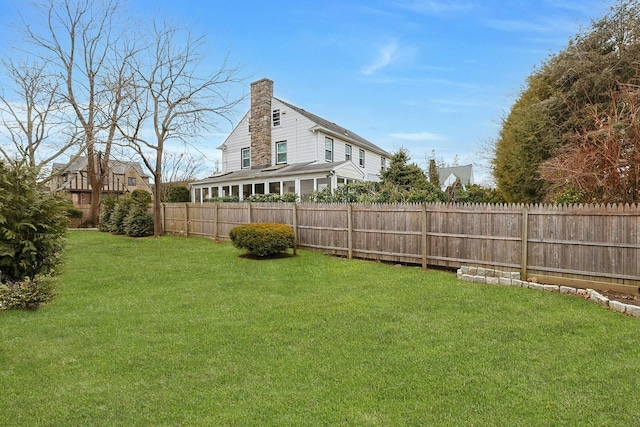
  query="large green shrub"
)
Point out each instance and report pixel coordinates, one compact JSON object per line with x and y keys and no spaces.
{"x":128,"y":215}
{"x":32,"y":224}
{"x":179,"y":194}
{"x":139,"y":221}
{"x":119,"y":214}
{"x":107,"y":206}
{"x":263,"y":239}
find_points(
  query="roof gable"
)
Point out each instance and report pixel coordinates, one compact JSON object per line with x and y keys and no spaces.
{"x":335,"y":129}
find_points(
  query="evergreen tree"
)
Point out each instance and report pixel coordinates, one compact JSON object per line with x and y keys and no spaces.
{"x":553,"y":135}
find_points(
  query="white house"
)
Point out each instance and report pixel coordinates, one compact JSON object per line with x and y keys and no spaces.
{"x":280,"y":148}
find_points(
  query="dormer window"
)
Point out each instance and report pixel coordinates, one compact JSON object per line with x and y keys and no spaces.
{"x":276,"y":118}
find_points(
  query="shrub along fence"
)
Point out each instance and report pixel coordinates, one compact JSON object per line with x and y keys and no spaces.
{"x":589,"y":246}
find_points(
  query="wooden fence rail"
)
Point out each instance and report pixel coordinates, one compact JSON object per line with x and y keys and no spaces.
{"x":580,"y":245}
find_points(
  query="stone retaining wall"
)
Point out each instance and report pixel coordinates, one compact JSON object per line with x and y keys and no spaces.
{"x":511,"y":278}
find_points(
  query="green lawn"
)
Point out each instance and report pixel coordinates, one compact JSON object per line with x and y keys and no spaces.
{"x":182,"y":332}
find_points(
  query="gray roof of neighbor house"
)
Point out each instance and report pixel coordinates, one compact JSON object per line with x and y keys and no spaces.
{"x":118,"y":167}
{"x":465,"y":173}
{"x":273,"y":172}
{"x":338,"y":130}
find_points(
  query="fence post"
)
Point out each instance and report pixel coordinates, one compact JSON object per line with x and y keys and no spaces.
{"x":294,"y":219}
{"x":249,"y":213}
{"x":425,"y":241}
{"x":186,"y":219}
{"x":525,"y":243}
{"x":215,"y":221}
{"x":350,"y":230}
{"x":164,"y":218}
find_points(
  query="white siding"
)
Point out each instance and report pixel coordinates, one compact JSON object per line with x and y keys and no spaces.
{"x":303,"y":145}
{"x":294,"y":128}
{"x":238,"y":139}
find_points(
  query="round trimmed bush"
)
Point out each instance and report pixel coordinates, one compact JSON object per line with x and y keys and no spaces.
{"x":263,"y":239}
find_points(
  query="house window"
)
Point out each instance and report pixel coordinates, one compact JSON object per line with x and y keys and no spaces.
{"x":246,"y":158}
{"x":347,"y":152}
{"x":328,"y":149}
{"x":276,"y":118}
{"x":281,"y":152}
{"x":131,"y":181}
{"x":361,"y":158}
{"x":383,"y":163}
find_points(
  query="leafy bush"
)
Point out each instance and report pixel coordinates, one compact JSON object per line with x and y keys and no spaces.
{"x":224,"y":199}
{"x":179,"y":195}
{"x":119,"y":215}
{"x":128,"y":215}
{"x":107,"y":206}
{"x":142,"y":196}
{"x":139,"y":221}
{"x":32,"y":224}
{"x":27,"y":294}
{"x":262,"y":239}
{"x":272,"y":198}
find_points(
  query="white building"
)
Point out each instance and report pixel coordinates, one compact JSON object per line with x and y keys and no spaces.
{"x":280,"y":148}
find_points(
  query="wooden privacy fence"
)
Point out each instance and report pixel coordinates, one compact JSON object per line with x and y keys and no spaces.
{"x":580,"y":245}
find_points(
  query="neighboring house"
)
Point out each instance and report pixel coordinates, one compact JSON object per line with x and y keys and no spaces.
{"x":123,"y":177}
{"x":449,"y":175}
{"x":280,"y":148}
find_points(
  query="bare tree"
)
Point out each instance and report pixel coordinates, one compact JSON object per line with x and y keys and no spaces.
{"x":84,"y":43}
{"x":178,"y":169}
{"x":602,"y":165}
{"x":174,"y":101}
{"x":30,"y":114}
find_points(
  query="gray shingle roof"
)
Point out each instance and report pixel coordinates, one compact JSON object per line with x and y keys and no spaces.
{"x":273,"y":172}
{"x":465,"y":173}
{"x":339,"y":130}
{"x":118,"y":167}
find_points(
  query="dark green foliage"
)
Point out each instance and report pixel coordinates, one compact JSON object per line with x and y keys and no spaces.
{"x":128,"y":215}
{"x":262,"y":239}
{"x":119,"y":214}
{"x":27,"y":294}
{"x":272,"y":198}
{"x":107,"y":206}
{"x":434,"y":176}
{"x":403,"y":175}
{"x":139,"y":221}
{"x":141,"y":197}
{"x":225,"y":199}
{"x":568,"y":101}
{"x":72,"y":211}
{"x":568,"y":196}
{"x":401,"y":183}
{"x":32,"y":224}
{"x":179,"y":194}
{"x":478,"y":194}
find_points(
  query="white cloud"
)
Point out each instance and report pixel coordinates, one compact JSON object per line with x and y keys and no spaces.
{"x":417,"y":136}
{"x":386,"y":55}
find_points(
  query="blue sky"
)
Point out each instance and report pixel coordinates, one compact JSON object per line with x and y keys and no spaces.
{"x":420,"y":74}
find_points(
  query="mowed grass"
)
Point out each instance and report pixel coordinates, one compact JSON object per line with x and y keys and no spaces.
{"x":178,"y":331}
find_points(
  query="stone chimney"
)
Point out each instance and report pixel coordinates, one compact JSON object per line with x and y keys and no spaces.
{"x":260,"y":123}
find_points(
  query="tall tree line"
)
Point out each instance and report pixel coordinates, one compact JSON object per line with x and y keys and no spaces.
{"x":574,"y":129}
